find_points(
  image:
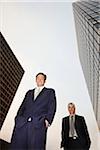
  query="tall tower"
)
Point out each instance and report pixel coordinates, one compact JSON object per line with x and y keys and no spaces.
{"x":87,"y":23}
{"x":11,"y":73}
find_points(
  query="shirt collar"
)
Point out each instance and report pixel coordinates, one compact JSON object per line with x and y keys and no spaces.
{"x":72,"y":115}
{"x":40,"y":87}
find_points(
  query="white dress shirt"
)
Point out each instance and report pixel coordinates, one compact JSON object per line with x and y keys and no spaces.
{"x":37,"y":91}
{"x":75,"y":133}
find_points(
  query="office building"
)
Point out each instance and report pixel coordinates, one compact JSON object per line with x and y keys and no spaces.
{"x":87,"y":23}
{"x":11,"y":73}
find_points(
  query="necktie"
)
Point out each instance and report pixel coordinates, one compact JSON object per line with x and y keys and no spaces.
{"x":72,"y":126}
{"x":37,"y":91}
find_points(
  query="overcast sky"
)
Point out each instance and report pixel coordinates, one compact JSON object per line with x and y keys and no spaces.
{"x":42,"y":36}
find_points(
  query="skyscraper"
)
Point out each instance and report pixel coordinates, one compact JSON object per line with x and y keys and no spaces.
{"x":11,"y":73}
{"x":87,"y":23}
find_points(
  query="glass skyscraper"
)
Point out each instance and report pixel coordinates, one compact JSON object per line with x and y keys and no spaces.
{"x":87,"y":23}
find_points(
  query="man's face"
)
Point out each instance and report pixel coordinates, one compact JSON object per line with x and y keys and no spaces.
{"x":71,"y":109}
{"x":40,"y":80}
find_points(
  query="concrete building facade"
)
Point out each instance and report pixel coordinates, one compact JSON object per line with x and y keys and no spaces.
{"x":11,"y":73}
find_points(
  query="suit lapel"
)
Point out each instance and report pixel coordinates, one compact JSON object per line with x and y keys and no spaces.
{"x":67,"y":126}
{"x":38,"y":94}
{"x":33,"y":94}
{"x":76,"y":122}
{"x":68,"y":122}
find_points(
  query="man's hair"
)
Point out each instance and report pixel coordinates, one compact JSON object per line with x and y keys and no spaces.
{"x":41,"y":73}
{"x":71,"y":104}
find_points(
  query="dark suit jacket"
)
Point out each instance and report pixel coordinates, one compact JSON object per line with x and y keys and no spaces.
{"x":43,"y":107}
{"x":81,"y":130}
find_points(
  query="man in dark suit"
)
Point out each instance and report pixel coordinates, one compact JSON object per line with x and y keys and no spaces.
{"x":75,"y":135}
{"x":34,"y":116}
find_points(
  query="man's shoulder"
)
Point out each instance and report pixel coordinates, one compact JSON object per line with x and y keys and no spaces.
{"x":49,"y":89}
{"x":79,"y":116}
{"x":65,"y":118}
{"x":29,"y":91}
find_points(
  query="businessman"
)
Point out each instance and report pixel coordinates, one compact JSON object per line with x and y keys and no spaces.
{"x":75,"y":135}
{"x":34,"y":116}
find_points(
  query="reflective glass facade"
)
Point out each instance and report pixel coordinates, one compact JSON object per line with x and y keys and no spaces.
{"x":87,"y":23}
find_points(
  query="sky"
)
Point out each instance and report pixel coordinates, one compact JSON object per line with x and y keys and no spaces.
{"x":42,"y":36}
